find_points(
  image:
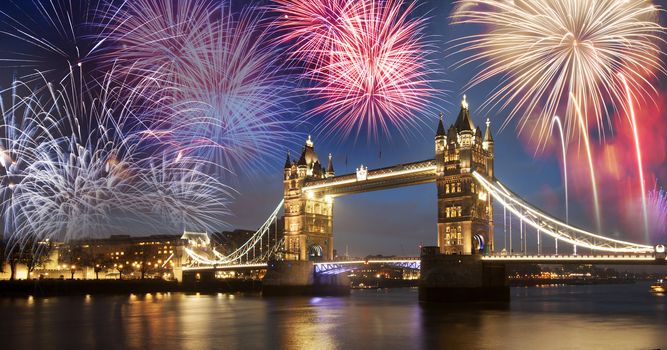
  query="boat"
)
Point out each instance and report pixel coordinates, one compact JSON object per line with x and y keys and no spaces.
{"x":658,"y":287}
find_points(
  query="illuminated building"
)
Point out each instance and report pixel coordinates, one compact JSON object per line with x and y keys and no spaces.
{"x":465,"y":211}
{"x":308,"y":218}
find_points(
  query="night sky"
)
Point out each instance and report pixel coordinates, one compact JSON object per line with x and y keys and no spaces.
{"x":397,"y":221}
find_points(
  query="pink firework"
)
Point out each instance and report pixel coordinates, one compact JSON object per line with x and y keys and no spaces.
{"x":367,"y":62}
{"x":313,"y":26}
{"x":657,"y":203}
{"x":153,"y":37}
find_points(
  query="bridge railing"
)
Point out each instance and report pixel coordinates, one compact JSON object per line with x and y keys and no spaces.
{"x":248,"y":252}
{"x":336,"y":267}
{"x":554,"y":228}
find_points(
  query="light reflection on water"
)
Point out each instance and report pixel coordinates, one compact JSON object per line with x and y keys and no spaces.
{"x":571,"y":317}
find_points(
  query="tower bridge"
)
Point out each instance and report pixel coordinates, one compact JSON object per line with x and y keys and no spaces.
{"x":465,"y":260}
{"x":465,"y":211}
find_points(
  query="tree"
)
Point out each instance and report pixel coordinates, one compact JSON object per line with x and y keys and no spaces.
{"x":15,"y":256}
{"x":101,"y":262}
{"x":30,"y":254}
{"x":143,"y":256}
{"x":71,"y":257}
{"x":91,"y":258}
{"x":40,"y":256}
{"x":122,"y":268}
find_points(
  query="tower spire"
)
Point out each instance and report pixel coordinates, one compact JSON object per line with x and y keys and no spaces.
{"x":441,"y":128}
{"x":487,"y":134}
{"x":330,"y":168}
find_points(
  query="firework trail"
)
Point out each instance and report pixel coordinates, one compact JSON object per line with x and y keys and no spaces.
{"x":367,"y":62}
{"x":543,"y":50}
{"x":589,"y":155}
{"x":657,"y":203}
{"x":152,"y":37}
{"x":48,"y":37}
{"x":640,"y":165}
{"x":314,"y":27}
{"x":555,"y":122}
{"x":222,"y":71}
{"x":76,"y":165}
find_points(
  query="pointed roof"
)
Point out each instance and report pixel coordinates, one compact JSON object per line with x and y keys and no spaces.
{"x":441,"y":128}
{"x":330,"y":168}
{"x":464,"y":121}
{"x":309,"y":154}
{"x":288,"y":162}
{"x":487,"y":134}
{"x":478,"y":132}
{"x":302,"y":159}
{"x":317,"y":167}
{"x":451,"y":133}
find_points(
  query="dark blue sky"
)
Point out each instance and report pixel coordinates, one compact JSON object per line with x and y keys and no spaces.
{"x":397,"y":221}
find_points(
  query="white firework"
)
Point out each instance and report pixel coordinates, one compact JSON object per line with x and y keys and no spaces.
{"x":77,"y":164}
{"x":542,"y":51}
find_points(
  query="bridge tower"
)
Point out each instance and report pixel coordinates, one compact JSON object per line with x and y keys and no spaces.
{"x":465,"y":211}
{"x":308,"y":216}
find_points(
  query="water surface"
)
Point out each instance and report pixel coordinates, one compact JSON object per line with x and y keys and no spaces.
{"x":567,"y":317}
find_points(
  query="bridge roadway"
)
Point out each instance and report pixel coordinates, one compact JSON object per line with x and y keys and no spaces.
{"x":408,"y":262}
{"x":415,"y":262}
{"x":384,"y":178}
{"x":628,"y":259}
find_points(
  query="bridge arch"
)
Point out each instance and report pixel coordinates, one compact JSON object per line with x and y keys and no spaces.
{"x":315,"y":252}
{"x":479,"y":244}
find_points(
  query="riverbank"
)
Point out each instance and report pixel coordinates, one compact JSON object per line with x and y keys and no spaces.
{"x":42,"y":288}
{"x":531,"y":282}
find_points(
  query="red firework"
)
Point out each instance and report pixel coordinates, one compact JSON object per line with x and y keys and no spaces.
{"x":367,"y":61}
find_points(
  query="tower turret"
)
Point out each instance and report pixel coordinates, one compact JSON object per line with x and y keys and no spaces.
{"x":464,"y":124}
{"x":487,"y":145}
{"x":301,"y":165}
{"x":488,"y":139}
{"x":288,"y":166}
{"x":440,"y":146}
{"x":330,"y":168}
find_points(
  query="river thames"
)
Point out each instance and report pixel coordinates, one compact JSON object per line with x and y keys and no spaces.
{"x":564,"y":317}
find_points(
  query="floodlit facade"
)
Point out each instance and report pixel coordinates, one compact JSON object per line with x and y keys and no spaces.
{"x":465,"y":211}
{"x":308,"y":218}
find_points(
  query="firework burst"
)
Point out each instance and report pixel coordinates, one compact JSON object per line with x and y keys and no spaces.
{"x":657,"y":203}
{"x":223,"y":72}
{"x":153,"y":37}
{"x":367,"y":62}
{"x":49,"y":37}
{"x":76,"y":166}
{"x":544,"y":50}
